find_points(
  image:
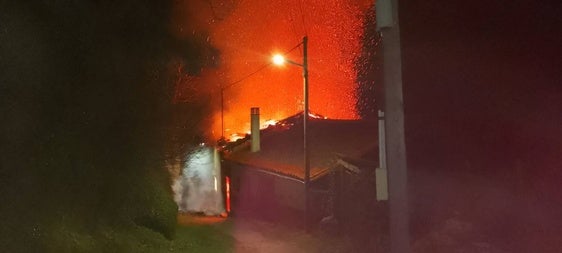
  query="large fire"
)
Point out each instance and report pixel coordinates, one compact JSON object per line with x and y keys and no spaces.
{"x":248,"y":33}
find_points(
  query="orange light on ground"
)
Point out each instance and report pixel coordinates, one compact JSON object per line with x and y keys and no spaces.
{"x":187,"y":219}
{"x":227,"y":194}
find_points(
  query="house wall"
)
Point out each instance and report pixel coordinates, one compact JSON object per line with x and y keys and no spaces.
{"x":256,"y":188}
{"x":266,"y":194}
{"x":289,"y":192}
{"x":276,"y":197}
{"x":356,"y":207}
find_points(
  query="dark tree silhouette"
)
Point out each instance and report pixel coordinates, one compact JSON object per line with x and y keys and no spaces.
{"x":369,"y":69}
{"x":85,"y":96}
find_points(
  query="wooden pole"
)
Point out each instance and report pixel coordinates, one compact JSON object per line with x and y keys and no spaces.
{"x":222,"y":113}
{"x":305,"y":132}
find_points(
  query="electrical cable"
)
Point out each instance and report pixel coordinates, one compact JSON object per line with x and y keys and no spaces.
{"x":256,"y":71}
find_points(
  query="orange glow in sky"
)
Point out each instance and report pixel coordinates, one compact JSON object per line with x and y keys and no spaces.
{"x":248,"y":33}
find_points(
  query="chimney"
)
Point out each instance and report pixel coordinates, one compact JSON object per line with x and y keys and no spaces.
{"x":255,"y":128}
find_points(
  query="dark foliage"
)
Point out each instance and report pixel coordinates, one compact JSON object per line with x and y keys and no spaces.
{"x":85,"y":96}
{"x":369,"y":69}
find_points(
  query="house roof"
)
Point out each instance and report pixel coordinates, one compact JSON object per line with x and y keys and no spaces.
{"x":282,"y":145}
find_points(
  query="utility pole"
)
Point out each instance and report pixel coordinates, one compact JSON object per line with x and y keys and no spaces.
{"x":388,"y":25}
{"x":222,"y":113}
{"x":279,"y":59}
{"x":305,"y":131}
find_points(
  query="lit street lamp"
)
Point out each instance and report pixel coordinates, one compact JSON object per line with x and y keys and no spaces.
{"x":280,"y":60}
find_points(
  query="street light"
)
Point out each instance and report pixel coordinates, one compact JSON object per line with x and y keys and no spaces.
{"x":280,"y":60}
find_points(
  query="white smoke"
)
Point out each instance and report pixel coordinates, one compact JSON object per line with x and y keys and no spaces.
{"x":198,"y":188}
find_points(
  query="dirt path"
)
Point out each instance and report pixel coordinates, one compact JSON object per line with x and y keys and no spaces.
{"x":477,"y":214}
{"x":255,"y":236}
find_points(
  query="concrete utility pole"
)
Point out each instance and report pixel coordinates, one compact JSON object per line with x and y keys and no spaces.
{"x":388,"y":25}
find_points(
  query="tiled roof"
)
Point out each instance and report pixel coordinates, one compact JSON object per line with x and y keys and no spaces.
{"x":282,"y":145}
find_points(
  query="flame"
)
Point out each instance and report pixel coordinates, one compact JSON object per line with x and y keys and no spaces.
{"x":248,"y":32}
{"x":264,"y":125}
{"x":235,"y":137}
{"x":316,"y":116}
{"x":267,"y":123}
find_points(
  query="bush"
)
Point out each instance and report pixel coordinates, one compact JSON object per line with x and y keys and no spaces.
{"x":84,"y":96}
{"x":162,"y":216}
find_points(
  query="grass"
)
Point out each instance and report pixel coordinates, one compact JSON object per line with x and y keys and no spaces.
{"x":74,"y":238}
{"x":244,"y":234}
{"x":202,"y":238}
{"x":196,"y":238}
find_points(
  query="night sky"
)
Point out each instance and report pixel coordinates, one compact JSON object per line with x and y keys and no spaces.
{"x":482,"y":82}
{"x":248,"y":33}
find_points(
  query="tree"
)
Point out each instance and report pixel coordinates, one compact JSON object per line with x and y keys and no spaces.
{"x":85,"y":97}
{"x":369,"y":69}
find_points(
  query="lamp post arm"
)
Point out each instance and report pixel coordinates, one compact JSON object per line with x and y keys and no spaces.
{"x":295,"y":63}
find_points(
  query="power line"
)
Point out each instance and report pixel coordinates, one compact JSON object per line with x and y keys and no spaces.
{"x":256,"y":71}
{"x":242,"y":79}
{"x":245,"y":77}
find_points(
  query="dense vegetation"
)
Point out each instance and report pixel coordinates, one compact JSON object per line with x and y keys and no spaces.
{"x":368,"y":66}
{"x":85,"y":95}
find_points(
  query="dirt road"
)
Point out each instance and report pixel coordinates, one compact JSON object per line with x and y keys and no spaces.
{"x":254,"y":236}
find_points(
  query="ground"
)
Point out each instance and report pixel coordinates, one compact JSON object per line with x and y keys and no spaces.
{"x":461,"y":212}
{"x":449,"y":213}
{"x":252,"y":236}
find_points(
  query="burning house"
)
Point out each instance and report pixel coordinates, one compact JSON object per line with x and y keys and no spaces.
{"x":266,"y":177}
